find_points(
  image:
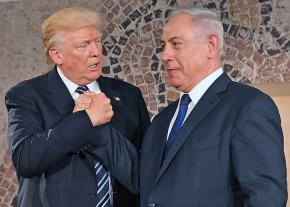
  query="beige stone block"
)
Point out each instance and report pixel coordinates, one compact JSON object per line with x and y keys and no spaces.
{"x":244,"y":19}
{"x":172,"y":95}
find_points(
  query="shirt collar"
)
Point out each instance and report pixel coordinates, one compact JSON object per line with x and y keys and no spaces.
{"x":71,"y":86}
{"x":197,"y":92}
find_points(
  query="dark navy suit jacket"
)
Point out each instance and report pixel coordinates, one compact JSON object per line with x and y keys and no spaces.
{"x":53,"y":148}
{"x":228,"y":153}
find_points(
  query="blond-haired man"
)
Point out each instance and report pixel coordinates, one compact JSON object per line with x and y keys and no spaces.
{"x":54,"y":122}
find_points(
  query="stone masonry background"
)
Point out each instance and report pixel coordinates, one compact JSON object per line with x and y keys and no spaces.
{"x":257,"y":44}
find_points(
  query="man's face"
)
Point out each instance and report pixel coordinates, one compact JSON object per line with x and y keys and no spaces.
{"x":183,"y":57}
{"x":80,"y":55}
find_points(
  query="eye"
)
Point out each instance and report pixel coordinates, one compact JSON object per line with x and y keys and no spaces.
{"x":176,"y":44}
{"x":83,"y":46}
{"x":162,"y":45}
{"x":98,"y":41}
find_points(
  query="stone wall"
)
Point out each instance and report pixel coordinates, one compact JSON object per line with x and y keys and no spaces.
{"x":257,"y":44}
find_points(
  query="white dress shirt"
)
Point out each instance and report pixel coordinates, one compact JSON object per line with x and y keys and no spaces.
{"x":195,"y":94}
{"x":71,"y":86}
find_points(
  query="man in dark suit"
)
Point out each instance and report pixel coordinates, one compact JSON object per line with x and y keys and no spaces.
{"x":221,"y":145}
{"x":54,"y":124}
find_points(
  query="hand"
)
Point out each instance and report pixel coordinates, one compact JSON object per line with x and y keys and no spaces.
{"x":83,"y":102}
{"x":100,"y":110}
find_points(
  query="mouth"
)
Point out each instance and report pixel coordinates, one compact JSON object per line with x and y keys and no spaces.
{"x":94,"y":66}
{"x":171,"y":69}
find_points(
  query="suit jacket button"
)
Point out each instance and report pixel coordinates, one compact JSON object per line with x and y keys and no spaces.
{"x":152,"y":205}
{"x":92,"y":195}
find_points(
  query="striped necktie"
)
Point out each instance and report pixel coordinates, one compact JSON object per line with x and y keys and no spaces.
{"x":185,"y":100}
{"x":103,"y":177}
{"x":81,"y":89}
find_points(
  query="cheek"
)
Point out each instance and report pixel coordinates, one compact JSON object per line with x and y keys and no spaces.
{"x":80,"y":60}
{"x":71,"y":59}
{"x":193,"y":60}
{"x":176,"y":77}
{"x":184,"y":57}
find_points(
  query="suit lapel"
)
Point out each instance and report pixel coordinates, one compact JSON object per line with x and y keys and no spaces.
{"x":162,"y":130}
{"x":59,"y":95}
{"x":108,"y":89}
{"x":207,"y":102}
{"x":120,"y":110}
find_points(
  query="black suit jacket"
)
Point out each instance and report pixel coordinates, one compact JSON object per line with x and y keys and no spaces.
{"x":228,"y":153}
{"x":53,"y":148}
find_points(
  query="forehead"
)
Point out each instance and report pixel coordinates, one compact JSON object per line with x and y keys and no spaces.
{"x":180,"y":25}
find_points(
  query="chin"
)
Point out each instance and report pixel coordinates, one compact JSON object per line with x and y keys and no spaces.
{"x":96,"y":72}
{"x":94,"y":76}
{"x":177,"y":86}
{"x":174,"y":82}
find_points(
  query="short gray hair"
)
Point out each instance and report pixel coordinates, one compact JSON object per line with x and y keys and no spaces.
{"x":206,"y":21}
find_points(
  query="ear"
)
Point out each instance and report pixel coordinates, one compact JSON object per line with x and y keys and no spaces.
{"x":213,"y":43}
{"x":55,"y":56}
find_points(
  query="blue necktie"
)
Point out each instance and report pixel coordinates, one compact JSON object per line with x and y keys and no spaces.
{"x":81,"y":89}
{"x":185,"y":100}
{"x":103,"y":178}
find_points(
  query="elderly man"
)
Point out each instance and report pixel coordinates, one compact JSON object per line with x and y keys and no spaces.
{"x":221,"y":143}
{"x":55,"y":120}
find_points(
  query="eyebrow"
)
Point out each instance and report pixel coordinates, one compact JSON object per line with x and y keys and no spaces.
{"x":172,"y":39}
{"x":89,"y":40}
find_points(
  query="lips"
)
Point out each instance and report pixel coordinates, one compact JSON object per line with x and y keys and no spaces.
{"x":170,"y":69}
{"x":93,"y":65}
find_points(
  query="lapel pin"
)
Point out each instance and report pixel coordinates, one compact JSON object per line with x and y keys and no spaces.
{"x":117,"y":98}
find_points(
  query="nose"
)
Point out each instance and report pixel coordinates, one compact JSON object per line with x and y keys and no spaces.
{"x":96,"y":49}
{"x":166,"y":54}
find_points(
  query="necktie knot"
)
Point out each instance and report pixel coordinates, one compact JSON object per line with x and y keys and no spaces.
{"x":81,"y":89}
{"x":185,"y":100}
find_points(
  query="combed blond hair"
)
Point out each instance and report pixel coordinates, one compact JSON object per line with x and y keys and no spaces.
{"x":64,"y":21}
